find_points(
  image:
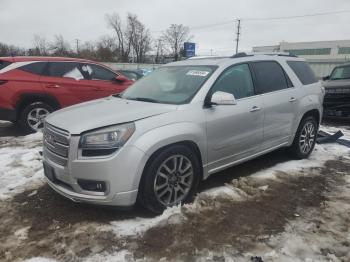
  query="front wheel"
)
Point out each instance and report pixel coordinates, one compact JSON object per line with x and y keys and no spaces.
{"x":33,"y":115}
{"x":305,"y":138}
{"x":171,"y":178}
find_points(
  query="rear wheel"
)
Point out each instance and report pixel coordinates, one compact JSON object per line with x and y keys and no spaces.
{"x":33,"y":115}
{"x":305,"y":138}
{"x":170,"y":179}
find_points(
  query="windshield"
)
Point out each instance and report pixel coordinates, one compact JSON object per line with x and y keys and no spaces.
{"x":170,"y":85}
{"x":341,"y":73}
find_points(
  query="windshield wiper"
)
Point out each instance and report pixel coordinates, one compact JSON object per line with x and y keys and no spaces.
{"x":143,"y":99}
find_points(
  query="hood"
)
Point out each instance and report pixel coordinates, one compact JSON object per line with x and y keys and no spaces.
{"x":104,"y":112}
{"x":336,"y":83}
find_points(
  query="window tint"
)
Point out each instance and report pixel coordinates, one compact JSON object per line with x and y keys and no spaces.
{"x":3,"y":64}
{"x":269,"y":77}
{"x":303,"y":72}
{"x":65,"y":69}
{"x":34,"y":68}
{"x":96,"y":72}
{"x":236,"y":80}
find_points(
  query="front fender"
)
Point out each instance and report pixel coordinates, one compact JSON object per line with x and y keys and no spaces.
{"x":159,"y":137}
{"x":165,"y":135}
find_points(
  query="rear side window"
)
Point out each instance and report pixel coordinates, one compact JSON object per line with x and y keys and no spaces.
{"x":4,"y":64}
{"x":303,"y":72}
{"x":65,"y":69}
{"x":269,"y":77}
{"x":34,"y":68}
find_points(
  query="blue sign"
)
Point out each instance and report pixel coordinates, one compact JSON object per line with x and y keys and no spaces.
{"x":190,"y":49}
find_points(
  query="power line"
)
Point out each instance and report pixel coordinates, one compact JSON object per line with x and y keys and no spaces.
{"x":296,"y":16}
{"x":265,"y":19}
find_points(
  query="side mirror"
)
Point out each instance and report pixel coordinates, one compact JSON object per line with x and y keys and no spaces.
{"x":121,"y":79}
{"x":222,"y":98}
{"x":325,"y":78}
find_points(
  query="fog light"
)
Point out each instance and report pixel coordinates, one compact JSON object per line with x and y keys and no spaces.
{"x":91,"y":185}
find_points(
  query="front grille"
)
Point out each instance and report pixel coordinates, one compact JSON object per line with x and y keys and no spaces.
{"x":56,"y":144}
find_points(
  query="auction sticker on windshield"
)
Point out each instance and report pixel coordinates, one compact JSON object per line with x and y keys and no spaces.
{"x":197,"y":73}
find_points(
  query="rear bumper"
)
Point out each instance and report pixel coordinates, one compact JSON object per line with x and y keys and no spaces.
{"x":8,"y":114}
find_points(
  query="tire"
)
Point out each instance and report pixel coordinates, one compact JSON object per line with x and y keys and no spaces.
{"x":300,"y":149}
{"x":153,"y":184}
{"x":32,"y":116}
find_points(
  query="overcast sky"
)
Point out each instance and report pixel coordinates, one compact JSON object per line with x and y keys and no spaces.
{"x":85,"y":20}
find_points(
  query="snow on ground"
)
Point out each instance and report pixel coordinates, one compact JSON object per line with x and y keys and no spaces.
{"x":20,"y":164}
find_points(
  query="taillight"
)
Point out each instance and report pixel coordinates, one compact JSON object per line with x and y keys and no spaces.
{"x":3,"y":82}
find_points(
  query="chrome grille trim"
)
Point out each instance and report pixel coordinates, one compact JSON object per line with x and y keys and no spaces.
{"x":56,"y":144}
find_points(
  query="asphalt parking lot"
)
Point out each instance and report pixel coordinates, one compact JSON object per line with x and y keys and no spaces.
{"x":272,"y":208}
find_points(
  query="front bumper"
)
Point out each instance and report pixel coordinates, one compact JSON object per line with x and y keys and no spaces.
{"x":121,"y":172}
{"x":8,"y":114}
{"x":336,"y":103}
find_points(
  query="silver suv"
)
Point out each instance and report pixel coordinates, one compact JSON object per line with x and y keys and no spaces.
{"x":177,"y":126}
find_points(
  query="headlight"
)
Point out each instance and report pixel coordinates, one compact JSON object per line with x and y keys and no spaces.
{"x":105,"y":141}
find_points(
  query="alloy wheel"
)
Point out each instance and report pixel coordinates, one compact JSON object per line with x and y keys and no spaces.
{"x":173,"y":180}
{"x":35,"y":118}
{"x":307,"y":137}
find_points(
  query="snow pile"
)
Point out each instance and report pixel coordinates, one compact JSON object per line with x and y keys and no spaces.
{"x":20,"y":164}
{"x":320,"y":155}
{"x":136,"y":226}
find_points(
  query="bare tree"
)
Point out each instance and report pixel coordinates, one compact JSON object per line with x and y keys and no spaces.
{"x":59,"y":46}
{"x":88,"y":51}
{"x":41,"y":46}
{"x":106,"y":49}
{"x":11,"y":50}
{"x":160,"y":51}
{"x":174,"y":37}
{"x":123,"y":40}
{"x":139,"y":36}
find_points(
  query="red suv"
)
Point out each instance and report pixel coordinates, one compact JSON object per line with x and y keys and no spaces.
{"x":32,"y":87}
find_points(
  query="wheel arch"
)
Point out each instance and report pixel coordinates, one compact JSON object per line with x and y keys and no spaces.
{"x":27,"y":99}
{"x":187,"y":143}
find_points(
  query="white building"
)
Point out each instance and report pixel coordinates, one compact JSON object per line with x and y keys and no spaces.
{"x":322,"y":56}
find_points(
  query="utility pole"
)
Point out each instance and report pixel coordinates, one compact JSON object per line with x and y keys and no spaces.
{"x":211,"y":52}
{"x":238,"y":33}
{"x":77,"y":43}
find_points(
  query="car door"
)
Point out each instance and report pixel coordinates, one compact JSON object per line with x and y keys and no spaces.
{"x":103,"y":80}
{"x":234,"y":132}
{"x":279,"y":99}
{"x":64,"y":81}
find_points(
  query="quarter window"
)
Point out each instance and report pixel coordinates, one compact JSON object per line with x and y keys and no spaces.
{"x":4,"y":64}
{"x":269,"y":77}
{"x":303,"y":72}
{"x":65,"y":69}
{"x":95,"y":72}
{"x":236,"y":80}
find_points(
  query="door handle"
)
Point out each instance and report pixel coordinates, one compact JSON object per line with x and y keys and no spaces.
{"x":254,"y":109}
{"x":292,"y":99}
{"x":53,"y":86}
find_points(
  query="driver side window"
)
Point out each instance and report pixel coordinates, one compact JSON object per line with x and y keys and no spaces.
{"x":95,"y":72}
{"x":236,"y":80}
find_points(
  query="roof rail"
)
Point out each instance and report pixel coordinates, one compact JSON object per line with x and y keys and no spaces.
{"x":243,"y":54}
{"x":206,"y":57}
